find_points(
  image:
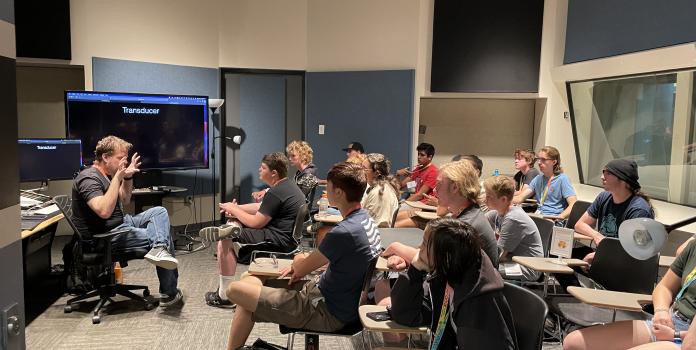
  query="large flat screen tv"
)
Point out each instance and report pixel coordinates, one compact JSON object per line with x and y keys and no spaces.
{"x":167,"y":131}
{"x":49,"y":159}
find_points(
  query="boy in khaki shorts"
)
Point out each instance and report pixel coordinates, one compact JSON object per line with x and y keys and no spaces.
{"x":329,"y":301}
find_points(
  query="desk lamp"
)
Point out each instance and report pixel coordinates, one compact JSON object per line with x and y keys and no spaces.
{"x":642,"y":238}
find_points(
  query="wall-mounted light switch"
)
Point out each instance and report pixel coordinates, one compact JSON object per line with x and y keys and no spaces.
{"x":321,"y":129}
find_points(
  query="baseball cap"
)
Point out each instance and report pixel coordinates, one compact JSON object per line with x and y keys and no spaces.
{"x":355,"y":146}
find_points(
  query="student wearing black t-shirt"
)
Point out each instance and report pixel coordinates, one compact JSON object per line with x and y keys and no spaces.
{"x":621,"y":200}
{"x":270,"y":221}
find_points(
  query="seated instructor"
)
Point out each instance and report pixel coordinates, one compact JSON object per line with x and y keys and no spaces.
{"x":326,"y":302}
{"x":270,"y":221}
{"x":98,"y":194}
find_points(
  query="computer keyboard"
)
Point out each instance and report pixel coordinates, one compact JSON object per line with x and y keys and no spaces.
{"x":29,"y":199}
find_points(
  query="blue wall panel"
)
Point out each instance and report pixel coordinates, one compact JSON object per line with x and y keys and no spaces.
{"x":601,"y":28}
{"x":143,"y":77}
{"x":372,"y":107}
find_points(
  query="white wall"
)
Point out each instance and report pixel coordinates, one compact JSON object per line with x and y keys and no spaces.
{"x":263,"y":34}
{"x":362,"y":34}
{"x":161,"y":31}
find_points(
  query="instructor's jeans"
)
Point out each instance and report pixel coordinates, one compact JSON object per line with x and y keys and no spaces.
{"x":149,"y":229}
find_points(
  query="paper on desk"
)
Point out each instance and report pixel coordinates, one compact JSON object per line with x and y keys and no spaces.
{"x":512,"y":269}
{"x":48,"y":210}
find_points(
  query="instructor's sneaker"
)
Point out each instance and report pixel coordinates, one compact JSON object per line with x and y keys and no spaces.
{"x":216,"y":233}
{"x":170,"y":301}
{"x":159,"y":256}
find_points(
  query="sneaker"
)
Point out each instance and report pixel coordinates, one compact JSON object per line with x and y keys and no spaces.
{"x":159,"y":256}
{"x":169,"y":301}
{"x":213,"y":299}
{"x":216,"y":233}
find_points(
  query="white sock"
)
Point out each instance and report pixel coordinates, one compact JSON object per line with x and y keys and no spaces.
{"x":222,"y":288}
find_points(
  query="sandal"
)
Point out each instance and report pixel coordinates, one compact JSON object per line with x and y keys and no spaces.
{"x":213,"y":299}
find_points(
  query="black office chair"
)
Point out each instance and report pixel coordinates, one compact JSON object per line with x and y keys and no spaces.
{"x":545,"y":228}
{"x":348,"y":330}
{"x":612,"y":269}
{"x":248,"y":252}
{"x":396,"y":213}
{"x":528,"y":313}
{"x":579,"y":208}
{"x":95,"y":253}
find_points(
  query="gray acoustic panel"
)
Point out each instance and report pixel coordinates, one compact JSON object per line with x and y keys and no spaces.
{"x":262,"y":117}
{"x":144,"y":77}
{"x":9,"y":177}
{"x":600,"y":28}
{"x":7,"y":11}
{"x":372,"y":107}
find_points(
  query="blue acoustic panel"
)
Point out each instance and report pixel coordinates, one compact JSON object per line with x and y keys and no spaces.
{"x":600,"y":28}
{"x":143,"y":77}
{"x":262,"y":117}
{"x":374,"y":108}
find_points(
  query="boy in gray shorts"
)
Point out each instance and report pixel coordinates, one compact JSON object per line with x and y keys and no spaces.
{"x":326,"y":302}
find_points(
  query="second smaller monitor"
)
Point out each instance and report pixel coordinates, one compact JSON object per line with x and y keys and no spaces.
{"x":49,"y":159}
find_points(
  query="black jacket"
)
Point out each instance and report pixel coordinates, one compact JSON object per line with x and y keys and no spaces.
{"x":481,"y":312}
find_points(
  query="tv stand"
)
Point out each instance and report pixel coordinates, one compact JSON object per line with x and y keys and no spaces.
{"x":152,"y":196}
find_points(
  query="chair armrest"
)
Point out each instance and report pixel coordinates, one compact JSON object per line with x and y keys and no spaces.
{"x":110,"y":234}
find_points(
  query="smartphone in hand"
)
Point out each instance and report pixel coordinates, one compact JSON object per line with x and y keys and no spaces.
{"x":379,"y":316}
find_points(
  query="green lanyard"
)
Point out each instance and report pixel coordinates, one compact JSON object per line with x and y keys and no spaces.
{"x":546,"y":192}
{"x":690,"y":278}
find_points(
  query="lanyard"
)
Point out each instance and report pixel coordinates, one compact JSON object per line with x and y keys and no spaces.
{"x":546,"y":191}
{"x":690,"y":278}
{"x":442,"y":321}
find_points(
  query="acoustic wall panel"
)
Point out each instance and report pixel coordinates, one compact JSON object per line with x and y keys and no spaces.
{"x":600,"y":28}
{"x":372,"y":107}
{"x":486,"y":46}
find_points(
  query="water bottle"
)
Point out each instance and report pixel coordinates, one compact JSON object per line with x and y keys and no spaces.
{"x":496,"y":172}
{"x":323,"y":205}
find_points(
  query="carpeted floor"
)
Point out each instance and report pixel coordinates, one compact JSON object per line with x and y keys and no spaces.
{"x":194,"y":325}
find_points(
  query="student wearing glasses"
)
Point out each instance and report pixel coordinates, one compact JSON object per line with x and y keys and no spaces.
{"x":552,"y":189}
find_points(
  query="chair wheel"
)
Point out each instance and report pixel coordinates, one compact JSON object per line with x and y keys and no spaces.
{"x":96,"y":319}
{"x":149,"y":306}
{"x":67,"y":309}
{"x":146,"y":292}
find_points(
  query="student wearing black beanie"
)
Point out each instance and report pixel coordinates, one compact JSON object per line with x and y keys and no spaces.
{"x":621,"y":200}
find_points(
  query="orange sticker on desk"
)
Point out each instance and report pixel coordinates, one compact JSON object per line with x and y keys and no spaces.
{"x":562,"y":242}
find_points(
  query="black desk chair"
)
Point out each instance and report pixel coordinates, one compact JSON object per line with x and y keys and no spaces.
{"x":529,"y":314}
{"x":268,"y":248}
{"x":612,"y":269}
{"x":348,"y":330}
{"x":95,"y":253}
{"x":579,"y":208}
{"x":396,"y":213}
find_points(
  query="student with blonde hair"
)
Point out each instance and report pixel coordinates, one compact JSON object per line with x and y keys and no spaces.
{"x":516,"y":233}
